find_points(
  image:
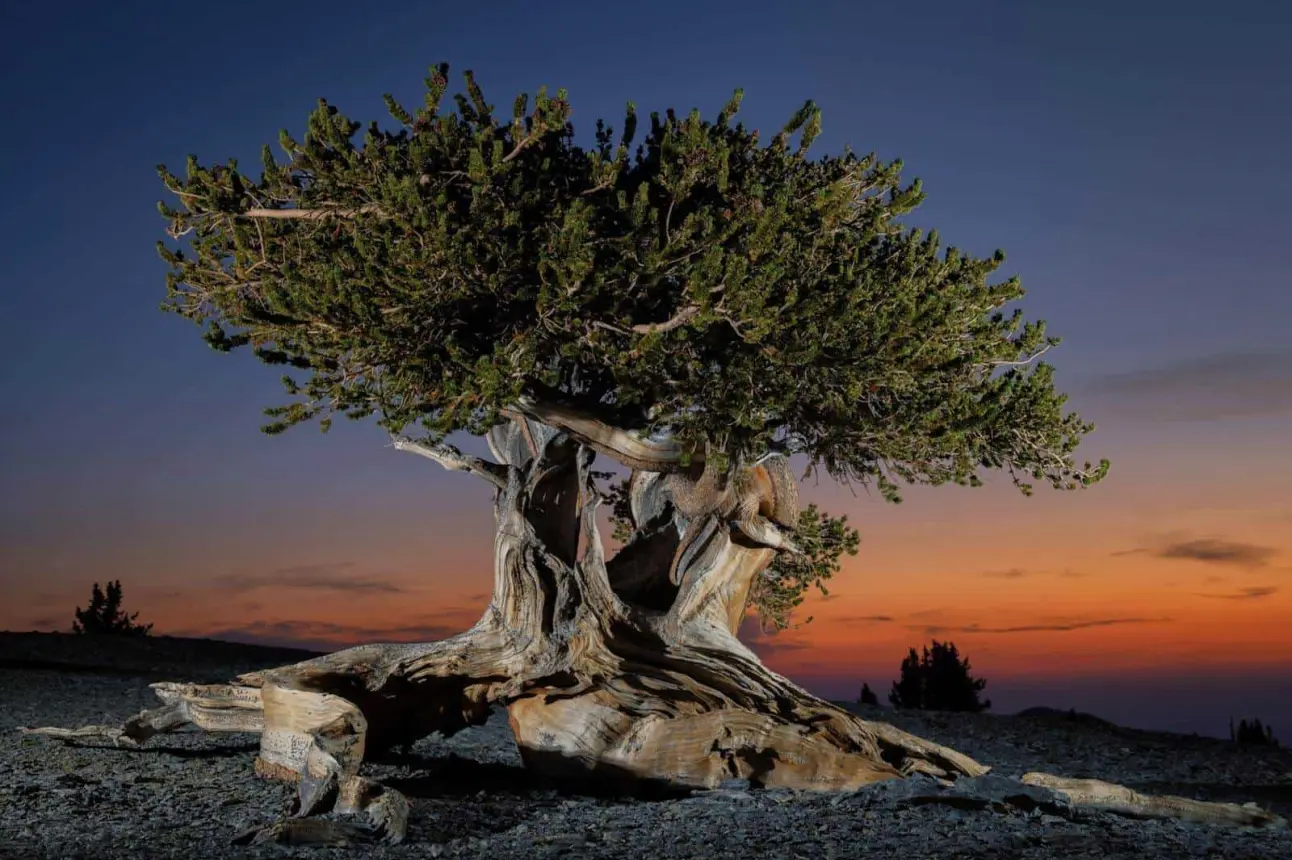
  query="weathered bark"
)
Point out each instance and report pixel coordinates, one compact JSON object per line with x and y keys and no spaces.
{"x":625,"y":670}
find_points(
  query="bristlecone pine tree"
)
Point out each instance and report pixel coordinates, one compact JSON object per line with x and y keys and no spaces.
{"x":104,"y":615}
{"x":697,"y":309}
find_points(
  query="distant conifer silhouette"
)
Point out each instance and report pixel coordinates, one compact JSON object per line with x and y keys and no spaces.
{"x":1251,"y":734}
{"x":104,"y":615}
{"x":868,"y":696}
{"x":938,"y":680}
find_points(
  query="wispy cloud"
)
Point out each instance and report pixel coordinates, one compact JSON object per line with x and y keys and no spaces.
{"x":1035,"y":628}
{"x":325,"y":635}
{"x":1022,"y":572}
{"x":135,"y":595}
{"x":862,"y":619}
{"x":927,"y":613}
{"x":1222,"y":385}
{"x":333,"y":576}
{"x":1253,"y":593}
{"x":1214,"y":551}
{"x":1208,"y":551}
{"x":767,"y":644}
{"x":1012,"y":573}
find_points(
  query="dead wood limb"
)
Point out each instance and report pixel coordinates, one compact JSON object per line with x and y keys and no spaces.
{"x":321,"y":213}
{"x":322,"y":737}
{"x":628,"y":447}
{"x":210,"y":707}
{"x":1103,"y":796}
{"x":680,"y":318}
{"x":451,"y":458}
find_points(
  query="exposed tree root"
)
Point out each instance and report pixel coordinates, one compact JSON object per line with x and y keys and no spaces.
{"x":625,"y":670}
{"x":592,"y":739}
{"x":211,"y":707}
{"x":1118,"y":799}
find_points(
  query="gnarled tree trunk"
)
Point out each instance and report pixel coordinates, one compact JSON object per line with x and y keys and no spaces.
{"x":625,"y":671}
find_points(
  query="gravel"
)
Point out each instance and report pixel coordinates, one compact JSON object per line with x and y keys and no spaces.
{"x":186,"y":795}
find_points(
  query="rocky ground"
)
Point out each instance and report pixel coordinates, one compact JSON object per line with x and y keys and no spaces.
{"x":188,"y":794}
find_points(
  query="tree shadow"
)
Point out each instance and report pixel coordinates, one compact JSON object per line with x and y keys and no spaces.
{"x":503,"y":796}
{"x":454,"y":776}
{"x":229,"y":751}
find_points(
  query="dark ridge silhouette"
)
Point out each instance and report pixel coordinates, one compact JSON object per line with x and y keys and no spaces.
{"x":1071,"y":715}
{"x":159,"y":658}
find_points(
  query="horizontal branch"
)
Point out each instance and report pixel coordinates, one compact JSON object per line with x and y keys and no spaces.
{"x":319,"y":214}
{"x":1023,"y":362}
{"x":669,"y":324}
{"x":683,"y":315}
{"x":766,"y":533}
{"x":625,"y":446}
{"x":453,"y":459}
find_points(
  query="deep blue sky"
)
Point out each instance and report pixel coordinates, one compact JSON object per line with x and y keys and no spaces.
{"x":1130,"y":157}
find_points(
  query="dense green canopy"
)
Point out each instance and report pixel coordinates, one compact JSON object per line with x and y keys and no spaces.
{"x":743,"y":295}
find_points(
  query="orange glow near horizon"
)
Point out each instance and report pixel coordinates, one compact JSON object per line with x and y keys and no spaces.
{"x":1053,"y":586}
{"x":1173,"y":564}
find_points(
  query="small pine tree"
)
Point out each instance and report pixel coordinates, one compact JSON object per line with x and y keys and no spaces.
{"x":938,"y":680}
{"x":1251,"y":734}
{"x":868,"y":696}
{"x":104,"y":615}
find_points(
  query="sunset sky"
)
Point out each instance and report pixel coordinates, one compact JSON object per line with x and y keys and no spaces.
{"x":1130,"y":158}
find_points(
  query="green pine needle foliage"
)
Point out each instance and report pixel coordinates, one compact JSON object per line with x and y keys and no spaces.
{"x":465,"y":258}
{"x":683,"y":275}
{"x":783,"y":587}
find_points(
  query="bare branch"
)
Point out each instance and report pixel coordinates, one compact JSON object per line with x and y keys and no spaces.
{"x":625,"y":446}
{"x":319,"y":214}
{"x":608,"y":327}
{"x":763,"y":531}
{"x":669,"y":324}
{"x":520,"y":147}
{"x":1024,"y":361}
{"x":451,"y":458}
